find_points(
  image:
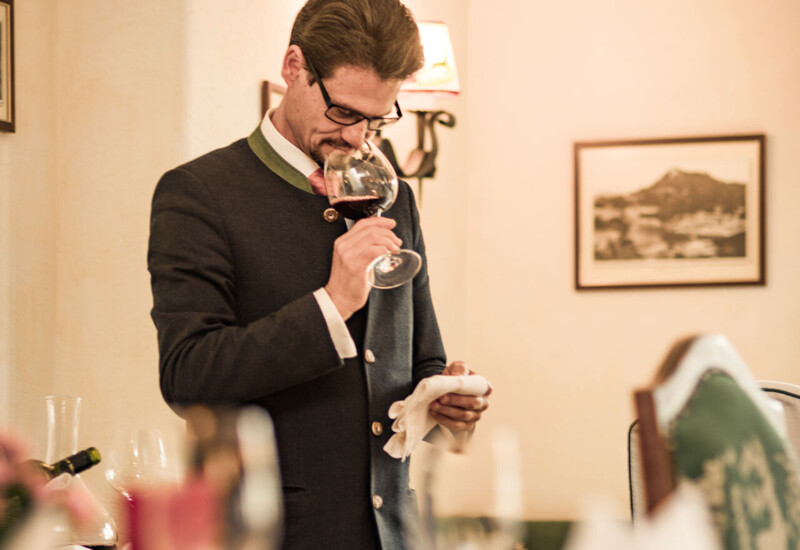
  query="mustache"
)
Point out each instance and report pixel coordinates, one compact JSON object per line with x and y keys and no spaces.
{"x":338,"y":144}
{"x":341,"y":144}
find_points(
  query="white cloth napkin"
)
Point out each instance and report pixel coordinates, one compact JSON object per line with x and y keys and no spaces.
{"x":412,"y":419}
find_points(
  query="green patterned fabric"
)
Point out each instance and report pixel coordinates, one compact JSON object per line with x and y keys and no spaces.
{"x":722,"y":442}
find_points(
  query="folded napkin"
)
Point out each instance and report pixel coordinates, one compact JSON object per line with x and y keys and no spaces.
{"x":412,"y":419}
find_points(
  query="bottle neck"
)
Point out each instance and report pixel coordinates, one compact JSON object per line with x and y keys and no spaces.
{"x":63,"y":417}
{"x":76,"y":463}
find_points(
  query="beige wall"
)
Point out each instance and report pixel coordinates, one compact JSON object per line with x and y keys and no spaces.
{"x":565,"y":363}
{"x":120,"y":119}
{"x":230,"y":48}
{"x":27,"y":227}
{"x":444,"y":199}
{"x":113,"y":93}
{"x":100,"y":113}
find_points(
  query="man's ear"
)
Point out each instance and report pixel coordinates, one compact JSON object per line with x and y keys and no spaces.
{"x":294,"y":66}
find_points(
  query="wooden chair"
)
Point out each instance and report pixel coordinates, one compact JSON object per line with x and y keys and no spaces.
{"x":706,"y":421}
{"x":635,"y":479}
{"x":787,"y":394}
{"x":789,"y":397}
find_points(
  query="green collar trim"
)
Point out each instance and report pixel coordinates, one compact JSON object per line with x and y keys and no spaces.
{"x":264,"y":151}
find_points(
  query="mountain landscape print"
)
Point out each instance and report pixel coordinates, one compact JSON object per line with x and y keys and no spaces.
{"x":667,"y":212}
{"x":682,"y":215}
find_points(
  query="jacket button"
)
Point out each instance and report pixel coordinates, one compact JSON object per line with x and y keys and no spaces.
{"x":377,"y":502}
{"x":369,"y":357}
{"x":377,"y":428}
{"x":330,"y":215}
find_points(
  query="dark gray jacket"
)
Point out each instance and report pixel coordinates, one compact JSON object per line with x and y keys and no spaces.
{"x":235,"y":253}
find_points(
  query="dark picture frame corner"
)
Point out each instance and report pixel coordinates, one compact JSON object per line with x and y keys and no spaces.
{"x":271,"y":95}
{"x":7,"y":84}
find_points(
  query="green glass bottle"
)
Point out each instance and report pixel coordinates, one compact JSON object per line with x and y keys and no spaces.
{"x":73,"y":464}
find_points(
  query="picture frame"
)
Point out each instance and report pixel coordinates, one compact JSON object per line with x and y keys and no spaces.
{"x":7,"y":98}
{"x":271,"y":95}
{"x":670,"y":212}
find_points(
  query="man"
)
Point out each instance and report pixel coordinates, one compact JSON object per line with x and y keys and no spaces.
{"x":260,"y":298}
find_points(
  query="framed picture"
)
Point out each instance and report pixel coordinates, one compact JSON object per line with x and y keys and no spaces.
{"x":7,"y":65}
{"x":271,"y":95}
{"x":670,"y":212}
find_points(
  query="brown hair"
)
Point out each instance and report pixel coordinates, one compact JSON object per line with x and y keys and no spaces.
{"x":370,"y":34}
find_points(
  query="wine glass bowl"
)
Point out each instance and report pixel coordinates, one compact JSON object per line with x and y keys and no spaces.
{"x":361,"y":183}
{"x":140,"y":458}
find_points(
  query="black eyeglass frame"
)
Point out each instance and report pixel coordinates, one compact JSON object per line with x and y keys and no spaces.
{"x":373,"y":123}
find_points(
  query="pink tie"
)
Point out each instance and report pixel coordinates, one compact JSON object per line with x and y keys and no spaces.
{"x":317,"y":181}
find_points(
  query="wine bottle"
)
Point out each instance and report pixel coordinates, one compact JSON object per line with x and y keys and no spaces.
{"x":71,"y":465}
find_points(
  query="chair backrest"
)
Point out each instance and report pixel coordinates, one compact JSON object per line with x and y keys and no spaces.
{"x":706,"y":421}
{"x":787,"y":394}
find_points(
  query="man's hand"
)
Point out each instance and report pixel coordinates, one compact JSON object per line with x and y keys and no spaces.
{"x":457,"y":412}
{"x":366,"y":240}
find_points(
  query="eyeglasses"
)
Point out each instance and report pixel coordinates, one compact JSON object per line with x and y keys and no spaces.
{"x":348,"y":117}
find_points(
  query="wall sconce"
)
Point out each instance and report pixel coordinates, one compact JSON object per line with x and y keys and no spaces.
{"x":437,"y":77}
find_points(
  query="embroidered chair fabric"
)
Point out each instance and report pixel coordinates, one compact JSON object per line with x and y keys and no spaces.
{"x":706,"y":421}
{"x":787,"y":394}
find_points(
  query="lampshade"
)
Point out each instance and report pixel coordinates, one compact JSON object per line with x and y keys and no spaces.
{"x":439,"y":72}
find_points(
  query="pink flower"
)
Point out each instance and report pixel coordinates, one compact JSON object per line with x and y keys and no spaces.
{"x":12,"y":449}
{"x":23,"y":487}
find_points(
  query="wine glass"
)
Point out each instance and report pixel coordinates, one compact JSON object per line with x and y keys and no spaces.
{"x":484,"y":513}
{"x":140,"y":458}
{"x":236,"y":453}
{"x":362,"y":183}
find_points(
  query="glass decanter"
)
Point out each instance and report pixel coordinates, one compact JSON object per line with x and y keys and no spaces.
{"x":97,"y":531}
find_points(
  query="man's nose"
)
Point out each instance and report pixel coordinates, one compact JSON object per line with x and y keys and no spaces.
{"x":356,"y":134}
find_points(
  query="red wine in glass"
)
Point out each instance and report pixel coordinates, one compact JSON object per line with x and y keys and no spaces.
{"x":362,"y":183}
{"x":357,"y":207}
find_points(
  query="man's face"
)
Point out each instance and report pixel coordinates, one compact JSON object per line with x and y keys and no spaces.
{"x":357,"y":89}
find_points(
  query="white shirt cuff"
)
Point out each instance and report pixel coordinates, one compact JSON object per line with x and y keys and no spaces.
{"x":340,"y":336}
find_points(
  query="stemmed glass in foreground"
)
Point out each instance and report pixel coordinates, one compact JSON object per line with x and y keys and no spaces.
{"x":484,"y":479}
{"x":362,"y":183}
